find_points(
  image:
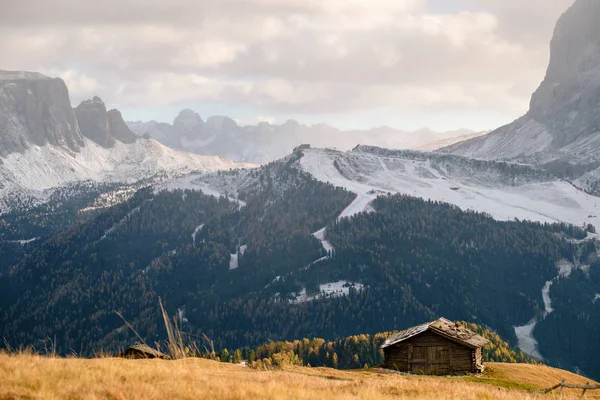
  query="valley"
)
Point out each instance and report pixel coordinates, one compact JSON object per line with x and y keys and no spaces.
{"x":296,"y":245}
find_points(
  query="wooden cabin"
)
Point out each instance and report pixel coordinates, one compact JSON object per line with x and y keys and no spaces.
{"x":141,"y":351}
{"x":439,"y":347}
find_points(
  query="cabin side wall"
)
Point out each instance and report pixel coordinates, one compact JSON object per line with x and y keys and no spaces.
{"x":399,"y":357}
{"x":477,"y":359}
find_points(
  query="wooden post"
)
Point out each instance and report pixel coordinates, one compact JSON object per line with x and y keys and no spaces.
{"x":561,"y":388}
{"x":584,"y":390}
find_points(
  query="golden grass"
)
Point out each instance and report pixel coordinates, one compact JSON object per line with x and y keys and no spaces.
{"x":33,"y":377}
{"x":539,"y":376}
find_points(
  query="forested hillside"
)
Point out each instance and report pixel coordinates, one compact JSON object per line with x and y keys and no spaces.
{"x":247,"y":269}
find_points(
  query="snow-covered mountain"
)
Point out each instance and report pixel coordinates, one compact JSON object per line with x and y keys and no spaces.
{"x":561,"y":130}
{"x":503,"y":190}
{"x":45,"y":143}
{"x":267,"y":142}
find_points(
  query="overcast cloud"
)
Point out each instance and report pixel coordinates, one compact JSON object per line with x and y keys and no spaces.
{"x":366,"y":62}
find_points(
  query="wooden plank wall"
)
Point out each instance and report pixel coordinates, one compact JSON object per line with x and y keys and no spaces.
{"x":462,"y":359}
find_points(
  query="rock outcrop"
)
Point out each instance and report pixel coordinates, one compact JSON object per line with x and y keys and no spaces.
{"x":563,"y":122}
{"x":45,"y":143}
{"x":188,"y":123}
{"x":118,"y":128}
{"x":101,"y":126}
{"x":35,"y":110}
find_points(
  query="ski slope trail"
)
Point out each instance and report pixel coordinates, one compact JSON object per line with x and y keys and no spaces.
{"x":504,"y":191}
{"x":525,"y":339}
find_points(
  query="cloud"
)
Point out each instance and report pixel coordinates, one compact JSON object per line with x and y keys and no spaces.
{"x":308,"y":56}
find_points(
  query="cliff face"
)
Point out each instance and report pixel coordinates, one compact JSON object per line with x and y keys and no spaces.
{"x":563,"y":123}
{"x":93,"y":122}
{"x":35,"y":110}
{"x":103,"y":127}
{"x":82,"y":144}
{"x":568,"y":99}
{"x":118,"y":128}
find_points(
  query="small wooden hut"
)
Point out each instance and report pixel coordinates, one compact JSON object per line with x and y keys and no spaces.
{"x":439,"y":347}
{"x":141,"y":351}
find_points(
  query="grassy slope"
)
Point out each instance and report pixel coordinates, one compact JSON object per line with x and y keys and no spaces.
{"x":27,"y":377}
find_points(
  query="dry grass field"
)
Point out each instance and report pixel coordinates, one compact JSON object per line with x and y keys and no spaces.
{"x":33,"y":377}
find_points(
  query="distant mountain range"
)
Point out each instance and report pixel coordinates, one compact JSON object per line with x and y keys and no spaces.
{"x":561,"y":130}
{"x":267,"y":142}
{"x":45,"y":143}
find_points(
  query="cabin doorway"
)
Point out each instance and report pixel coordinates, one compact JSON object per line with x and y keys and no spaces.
{"x":431,"y":360}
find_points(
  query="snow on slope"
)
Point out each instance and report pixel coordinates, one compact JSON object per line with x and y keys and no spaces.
{"x":522,"y":138}
{"x":525,"y":339}
{"x":331,"y":289}
{"x":493,"y":188}
{"x":320,"y":235}
{"x":41,"y":168}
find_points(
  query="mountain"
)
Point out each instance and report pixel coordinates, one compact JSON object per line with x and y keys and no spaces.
{"x":35,"y":110}
{"x":265,"y":142}
{"x":440,"y":144}
{"x":101,"y":126}
{"x":561,"y":130}
{"x":45,"y":143}
{"x":276,"y":253}
{"x":503,"y":190}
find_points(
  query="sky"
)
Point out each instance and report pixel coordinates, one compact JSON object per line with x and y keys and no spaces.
{"x":354,"y":64}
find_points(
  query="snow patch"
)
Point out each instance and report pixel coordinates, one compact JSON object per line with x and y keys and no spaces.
{"x":196,"y":231}
{"x":596,"y":298}
{"x":181,"y":315}
{"x":360,"y":204}
{"x":564,"y":268}
{"x":546,"y":297}
{"x":332,"y":289}
{"x":233,"y":262}
{"x":320,"y":235}
{"x":24,"y":241}
{"x":277,"y":279}
{"x":525,"y":340}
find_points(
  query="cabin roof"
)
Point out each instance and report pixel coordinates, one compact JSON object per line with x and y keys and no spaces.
{"x":442,"y":327}
{"x":142,"y":348}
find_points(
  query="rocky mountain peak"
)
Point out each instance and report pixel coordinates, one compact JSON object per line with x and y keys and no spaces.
{"x":563,"y":123}
{"x":118,"y":128}
{"x":568,"y":99}
{"x":93,"y":121}
{"x":221,"y":123}
{"x":575,"y":43}
{"x":188,"y":120}
{"x":35,"y":110}
{"x":100,"y":125}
